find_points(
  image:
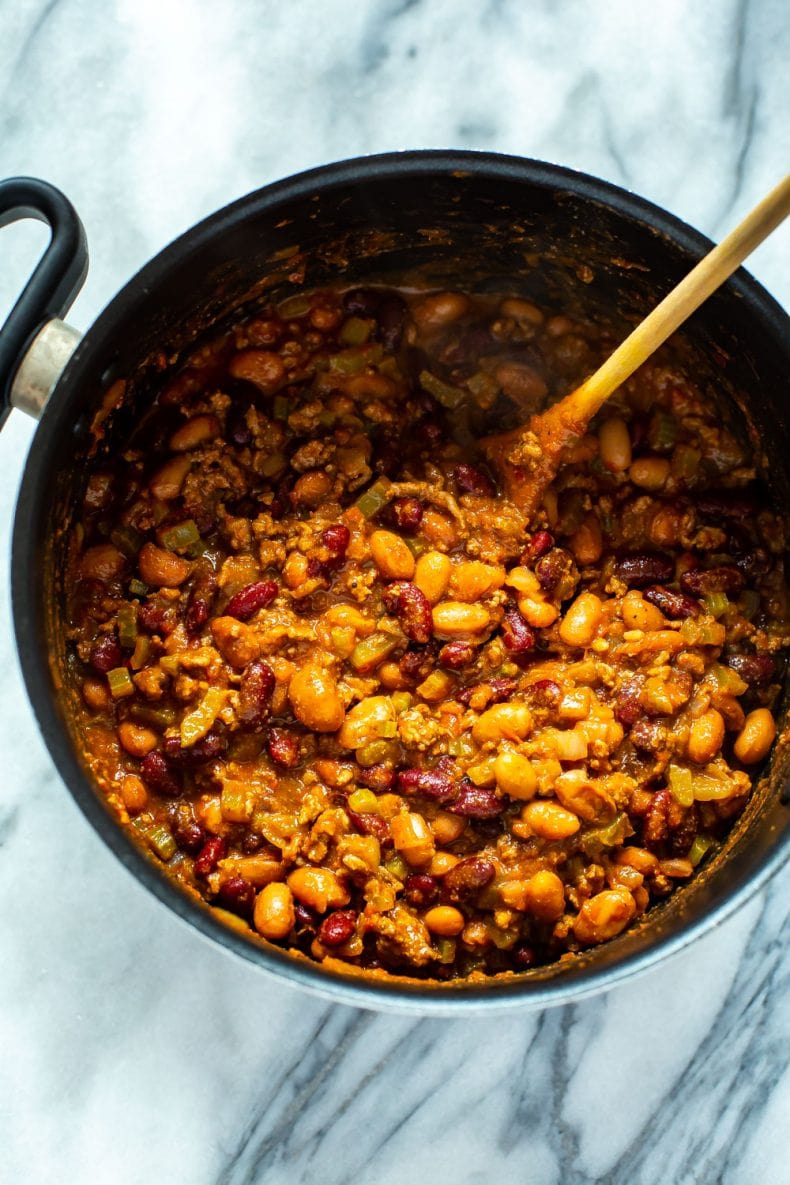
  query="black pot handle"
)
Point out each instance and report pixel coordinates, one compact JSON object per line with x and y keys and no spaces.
{"x":57,"y":278}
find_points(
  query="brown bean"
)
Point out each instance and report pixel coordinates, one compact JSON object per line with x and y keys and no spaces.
{"x":391,"y":556}
{"x":438,"y":309}
{"x":315,"y":699}
{"x":197,"y":430}
{"x":161,"y":568}
{"x":103,"y":562}
{"x":263,"y":368}
{"x":468,"y":877}
{"x":167,"y":481}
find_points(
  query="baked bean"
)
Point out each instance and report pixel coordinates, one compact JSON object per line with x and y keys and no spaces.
{"x":473,"y":580}
{"x":521,"y":310}
{"x":136,"y":739}
{"x":586,"y":542}
{"x":391,"y":556}
{"x":316,"y":700}
{"x":95,"y":694}
{"x":510,"y":721}
{"x":445,"y":920}
{"x":311,"y":488}
{"x":614,"y":445}
{"x":545,"y":896}
{"x":318,"y":888}
{"x":433,"y":312}
{"x":549,"y":820}
{"x":103,"y":562}
{"x":263,"y":368}
{"x":580,"y":623}
{"x":447,"y":828}
{"x":640,"y":614}
{"x":237,"y":643}
{"x":454,"y":619}
{"x":167,"y":481}
{"x":196,"y":431}
{"x":134,"y":794}
{"x":273,"y":914}
{"x":705,"y":737}
{"x":412,"y":838}
{"x":756,"y":737}
{"x":521,"y":383}
{"x":432,"y":575}
{"x":649,"y":473}
{"x":604,"y":916}
{"x":161,"y":568}
{"x":515,"y":776}
{"x":366,"y":721}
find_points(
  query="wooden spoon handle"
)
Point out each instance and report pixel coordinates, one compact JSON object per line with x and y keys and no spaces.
{"x":696,"y":287}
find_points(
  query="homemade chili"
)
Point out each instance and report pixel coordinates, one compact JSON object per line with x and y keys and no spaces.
{"x":344,"y":692}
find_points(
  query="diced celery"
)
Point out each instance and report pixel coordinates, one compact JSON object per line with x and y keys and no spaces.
{"x":610,"y":835}
{"x":293,"y":306}
{"x":716,"y":603}
{"x":280,"y":407}
{"x":482,"y":774}
{"x":363,"y":802}
{"x":681,"y":785}
{"x":446,"y":949}
{"x":662,"y":432}
{"x":700,"y":847}
{"x":685,"y":462}
{"x":142,"y":652}
{"x":707,"y":789}
{"x":726,"y":680}
{"x":120,"y":682}
{"x":374,"y":497}
{"x":234,"y":802}
{"x":436,"y":687}
{"x":484,"y":387}
{"x":354,"y":360}
{"x":415,"y":546}
{"x":170,"y":664}
{"x":446,"y":394}
{"x":197,"y":723}
{"x":401,"y":701}
{"x":749,"y":603}
{"x":375,"y":752}
{"x":182,"y":537}
{"x":372,"y":650}
{"x":397,"y":867}
{"x":161,"y":718}
{"x":137,"y":588}
{"x":355,"y":331}
{"x":127,"y":626}
{"x":162,"y":842}
{"x":127,"y":540}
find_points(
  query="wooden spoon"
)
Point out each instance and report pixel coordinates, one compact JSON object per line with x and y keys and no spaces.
{"x":528,"y":457}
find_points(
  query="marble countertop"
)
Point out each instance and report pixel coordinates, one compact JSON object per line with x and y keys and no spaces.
{"x":132,"y":1050}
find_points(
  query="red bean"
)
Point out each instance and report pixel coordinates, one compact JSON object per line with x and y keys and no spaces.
{"x":498,"y":690}
{"x":517,"y":636}
{"x":106,"y":654}
{"x":283,"y":747}
{"x":476,"y":802}
{"x":155,"y":618}
{"x":210,"y":854}
{"x":724,"y":504}
{"x":655,"y":827}
{"x":189,"y":835}
{"x":544,"y":693}
{"x":237,"y":895}
{"x":754,"y":669}
{"x":376,"y":777}
{"x":431,"y":783}
{"x":336,"y":538}
{"x":337,"y":927}
{"x":306,"y":918}
{"x":454,"y":655}
{"x":415,"y":664}
{"x":672,"y":604}
{"x":703,"y":581}
{"x":628,"y":708}
{"x":524,"y":956}
{"x":414,"y":614}
{"x":539,"y":544}
{"x":468,"y":876}
{"x":255,"y":693}
{"x":207,"y":748}
{"x":420,"y":888}
{"x":249,"y":600}
{"x":407,"y":514}
{"x":370,"y":824}
{"x":392,"y":320}
{"x":557,"y":573}
{"x":643,"y":568}
{"x":474,"y":481}
{"x":159,"y":775}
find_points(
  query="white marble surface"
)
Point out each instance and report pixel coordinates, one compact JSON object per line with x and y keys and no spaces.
{"x":130,"y":1049}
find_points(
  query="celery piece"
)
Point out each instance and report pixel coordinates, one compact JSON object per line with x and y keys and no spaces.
{"x":482,"y":774}
{"x":749,"y":603}
{"x":374,"y":497}
{"x":234,"y":802}
{"x":446,"y":949}
{"x":182,"y":536}
{"x":397,"y":867}
{"x":120,"y":682}
{"x":137,"y":588}
{"x":681,"y":784}
{"x":363,"y":802}
{"x":436,"y":687}
{"x":446,"y":394}
{"x":699,"y":849}
{"x":372,"y":650}
{"x":161,"y":840}
{"x":127,"y":540}
{"x":716,"y":603}
{"x":401,"y":701}
{"x":685,"y":463}
{"x":280,"y":407}
{"x":376,"y":752}
{"x":707,"y":789}
{"x":127,"y":626}
{"x":610,"y":835}
{"x":484,"y":387}
{"x":415,"y":546}
{"x":355,"y":331}
{"x":160,"y":718}
{"x":662,"y":432}
{"x":293,"y":306}
{"x":142,"y":652}
{"x":170,"y":664}
{"x":197,"y":723}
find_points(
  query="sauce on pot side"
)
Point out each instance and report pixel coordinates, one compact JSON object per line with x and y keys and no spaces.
{"x":351,"y":698}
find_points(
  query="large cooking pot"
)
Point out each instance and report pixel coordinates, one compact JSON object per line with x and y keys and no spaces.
{"x":476,"y":220}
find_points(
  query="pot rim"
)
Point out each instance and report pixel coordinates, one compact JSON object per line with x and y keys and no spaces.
{"x":398,"y":995}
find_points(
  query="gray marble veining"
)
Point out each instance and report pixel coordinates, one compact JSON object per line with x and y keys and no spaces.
{"x":131,"y":1049}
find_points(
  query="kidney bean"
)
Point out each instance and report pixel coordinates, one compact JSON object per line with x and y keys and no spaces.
{"x":252,"y":843}
{"x":544,"y":693}
{"x":249,"y":600}
{"x":718,"y":504}
{"x":406,"y":514}
{"x":336,"y":538}
{"x":197,"y":614}
{"x":627,"y":708}
{"x":648,"y":735}
{"x":237,"y":895}
{"x":370,"y":824}
{"x":672,"y":604}
{"x":363,"y":302}
{"x":377,"y":777}
{"x":432,"y":783}
{"x":702,"y":581}
{"x":517,"y":636}
{"x":643,"y":568}
{"x":750,"y":563}
{"x":524,"y":956}
{"x":306,"y":918}
{"x":391,"y":595}
{"x":255,"y":693}
{"x":468,"y":876}
{"x":432,"y":432}
{"x":188,"y":834}
{"x":201,"y":597}
{"x":655,"y":826}
{"x":683,"y":830}
{"x":106,"y":654}
{"x":209,"y":747}
{"x":283,"y":747}
{"x":539,"y":544}
{"x":159,"y":775}
{"x":454,"y":655}
{"x":156,"y":618}
{"x":498,"y":689}
{"x":473,"y":481}
{"x":210,"y":854}
{"x":754,"y":669}
{"x":557,"y":573}
{"x":476,"y":802}
{"x":237,"y":430}
{"x":420,"y":888}
{"x":337,"y":927}
{"x":414,"y":614}
{"x":415,"y":664}
{"x":392,"y":313}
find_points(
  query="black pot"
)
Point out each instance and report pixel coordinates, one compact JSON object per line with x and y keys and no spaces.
{"x":477,"y":220}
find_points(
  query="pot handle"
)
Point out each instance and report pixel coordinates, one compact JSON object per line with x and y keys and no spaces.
{"x":57,"y":278}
